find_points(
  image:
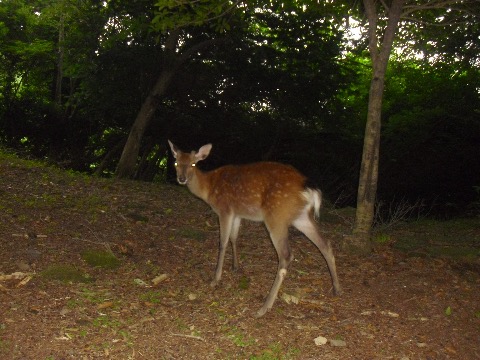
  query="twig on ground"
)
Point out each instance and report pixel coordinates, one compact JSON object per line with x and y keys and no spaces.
{"x":99,"y":242}
{"x":188,"y":336}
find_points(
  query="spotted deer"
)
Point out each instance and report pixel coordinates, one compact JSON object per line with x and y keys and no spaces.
{"x":274,"y":193}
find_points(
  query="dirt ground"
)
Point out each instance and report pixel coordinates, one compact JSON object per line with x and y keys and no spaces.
{"x":156,"y":302}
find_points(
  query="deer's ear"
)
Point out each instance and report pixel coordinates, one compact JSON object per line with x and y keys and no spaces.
{"x":173,"y":148}
{"x":203,"y":152}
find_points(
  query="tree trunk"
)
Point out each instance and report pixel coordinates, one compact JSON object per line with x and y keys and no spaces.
{"x":368,"y":179}
{"x":128,"y":160}
{"x":59,"y":77}
{"x":367,"y":187}
{"x":108,"y":156}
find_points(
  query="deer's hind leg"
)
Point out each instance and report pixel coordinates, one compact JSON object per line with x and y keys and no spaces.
{"x":279,"y":236}
{"x":307,"y":225}
{"x":233,"y":239}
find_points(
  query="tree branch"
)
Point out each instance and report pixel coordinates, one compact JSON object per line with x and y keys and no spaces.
{"x":372,"y":29}
{"x":218,"y":16}
{"x":392,"y":23}
{"x":435,"y":4}
{"x":196,"y":48}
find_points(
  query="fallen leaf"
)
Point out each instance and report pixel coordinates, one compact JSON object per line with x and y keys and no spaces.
{"x":157,"y":280}
{"x":290,"y":298}
{"x":338,"y":343}
{"x":105,"y":305}
{"x":367,"y":313}
{"x":24,"y":281}
{"x":389,"y":313}
{"x":34,"y":309}
{"x":320,"y":340}
{"x":64,"y":311}
{"x":14,"y":276}
{"x":23,"y":266}
{"x":450,"y":350}
{"x":140,"y":282}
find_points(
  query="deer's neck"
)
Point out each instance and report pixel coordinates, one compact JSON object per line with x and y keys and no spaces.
{"x":199,"y":184}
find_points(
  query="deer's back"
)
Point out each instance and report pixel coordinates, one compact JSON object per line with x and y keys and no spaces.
{"x":256,"y":190}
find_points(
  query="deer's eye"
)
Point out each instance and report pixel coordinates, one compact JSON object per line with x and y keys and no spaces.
{"x":175,"y":164}
{"x":193,"y":165}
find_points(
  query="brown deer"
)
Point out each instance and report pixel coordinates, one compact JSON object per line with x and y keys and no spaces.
{"x":265,"y":191}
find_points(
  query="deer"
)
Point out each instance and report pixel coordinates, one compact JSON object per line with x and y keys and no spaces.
{"x":274,"y":193}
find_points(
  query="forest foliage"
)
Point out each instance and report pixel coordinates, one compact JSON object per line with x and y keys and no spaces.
{"x":280,"y":81}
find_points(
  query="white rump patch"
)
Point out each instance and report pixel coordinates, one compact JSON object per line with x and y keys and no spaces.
{"x":314,"y":198}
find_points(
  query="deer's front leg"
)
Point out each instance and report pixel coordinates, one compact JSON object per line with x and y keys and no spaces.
{"x":226,"y":222}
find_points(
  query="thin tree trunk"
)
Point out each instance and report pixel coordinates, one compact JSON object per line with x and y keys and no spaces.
{"x":126,"y":165}
{"x":108,"y":156}
{"x":368,"y":179}
{"x":59,"y":77}
{"x":128,"y":160}
{"x":367,"y":187}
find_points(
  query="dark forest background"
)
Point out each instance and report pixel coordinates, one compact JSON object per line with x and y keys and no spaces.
{"x":278,"y":81}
